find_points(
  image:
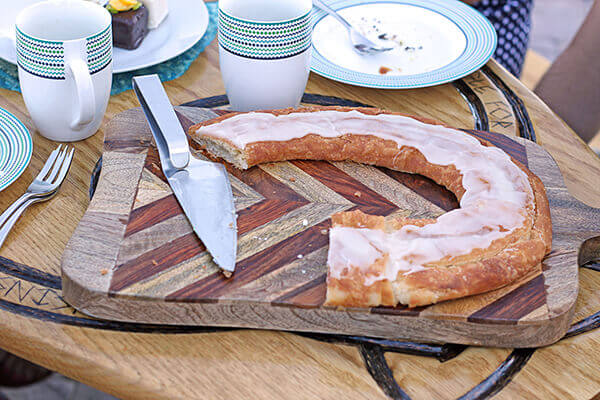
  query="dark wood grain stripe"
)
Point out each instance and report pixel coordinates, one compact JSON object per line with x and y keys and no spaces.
{"x":155,"y":261}
{"x":366,"y":199}
{"x":266,"y":184}
{"x":185,"y":122}
{"x":426,"y":188}
{"x":152,"y":214}
{"x":153,"y":165}
{"x":398,"y":310}
{"x":264,"y":212}
{"x":514,"y":305}
{"x":160,"y":259}
{"x":260,"y":181}
{"x":255,"y":266}
{"x":95,"y":178}
{"x":511,"y":147}
{"x":309,"y":295}
{"x":209,"y":102}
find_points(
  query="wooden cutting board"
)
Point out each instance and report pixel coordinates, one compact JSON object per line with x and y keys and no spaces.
{"x":134,"y":256}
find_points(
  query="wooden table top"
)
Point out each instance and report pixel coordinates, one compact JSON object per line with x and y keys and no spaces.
{"x":139,"y":362}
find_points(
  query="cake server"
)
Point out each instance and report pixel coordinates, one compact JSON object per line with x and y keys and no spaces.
{"x":201,"y":187}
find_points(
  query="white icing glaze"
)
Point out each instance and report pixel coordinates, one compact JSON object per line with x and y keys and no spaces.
{"x":497,"y":192}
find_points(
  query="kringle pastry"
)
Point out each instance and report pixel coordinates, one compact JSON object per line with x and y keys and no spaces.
{"x":501,"y":231}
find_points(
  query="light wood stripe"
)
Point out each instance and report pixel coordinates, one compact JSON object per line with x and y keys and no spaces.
{"x":151,"y":263}
{"x":303,"y":183}
{"x":249,"y":244}
{"x":368,"y":201}
{"x":243,"y":194}
{"x":153,"y":213}
{"x":255,"y":266}
{"x":403,"y":197}
{"x":540,"y":313}
{"x":118,"y":193}
{"x":196,"y":114}
{"x":279,"y":229}
{"x":150,"y":189}
{"x":178,"y":276}
{"x":312,"y":294}
{"x":239,"y":188}
{"x":155,"y":236}
{"x":284,"y":280}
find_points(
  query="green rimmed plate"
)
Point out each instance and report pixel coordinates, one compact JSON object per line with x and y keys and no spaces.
{"x":16,"y":147}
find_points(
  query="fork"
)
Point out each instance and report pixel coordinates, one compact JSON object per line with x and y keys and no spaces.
{"x":360,"y":42}
{"x":43,"y":188}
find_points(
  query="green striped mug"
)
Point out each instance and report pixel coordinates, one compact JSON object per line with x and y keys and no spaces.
{"x":264,"y":52}
{"x":64,"y":55}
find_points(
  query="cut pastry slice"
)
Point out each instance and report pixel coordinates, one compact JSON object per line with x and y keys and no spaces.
{"x":500,"y":232}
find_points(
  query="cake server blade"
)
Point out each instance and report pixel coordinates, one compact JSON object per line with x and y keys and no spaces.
{"x":201,"y":187}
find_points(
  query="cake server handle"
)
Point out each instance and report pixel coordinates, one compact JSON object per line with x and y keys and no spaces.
{"x":162,"y":119}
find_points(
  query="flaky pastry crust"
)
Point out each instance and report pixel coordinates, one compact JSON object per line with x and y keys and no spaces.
{"x":506,"y":260}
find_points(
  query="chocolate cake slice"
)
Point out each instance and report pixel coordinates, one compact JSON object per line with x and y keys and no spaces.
{"x":130,"y":28}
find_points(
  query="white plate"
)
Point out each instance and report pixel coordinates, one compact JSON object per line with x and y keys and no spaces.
{"x":436,"y":41}
{"x":184,"y":26}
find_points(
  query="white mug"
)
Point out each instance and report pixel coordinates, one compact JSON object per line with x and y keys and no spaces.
{"x":264,"y":52}
{"x":64,"y":54}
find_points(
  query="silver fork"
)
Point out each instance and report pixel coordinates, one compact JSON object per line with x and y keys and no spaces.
{"x":43,"y":188}
{"x":360,"y":42}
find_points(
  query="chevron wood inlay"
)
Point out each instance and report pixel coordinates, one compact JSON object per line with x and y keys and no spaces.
{"x":163,"y":273}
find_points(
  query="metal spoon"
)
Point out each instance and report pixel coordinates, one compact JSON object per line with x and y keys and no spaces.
{"x":360,"y":43}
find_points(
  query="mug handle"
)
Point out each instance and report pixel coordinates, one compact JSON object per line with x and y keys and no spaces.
{"x":77,"y":69}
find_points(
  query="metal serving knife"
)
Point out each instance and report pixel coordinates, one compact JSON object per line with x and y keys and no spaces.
{"x":201,"y":187}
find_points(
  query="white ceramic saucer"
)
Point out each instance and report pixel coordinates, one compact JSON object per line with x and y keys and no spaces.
{"x":184,"y":26}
